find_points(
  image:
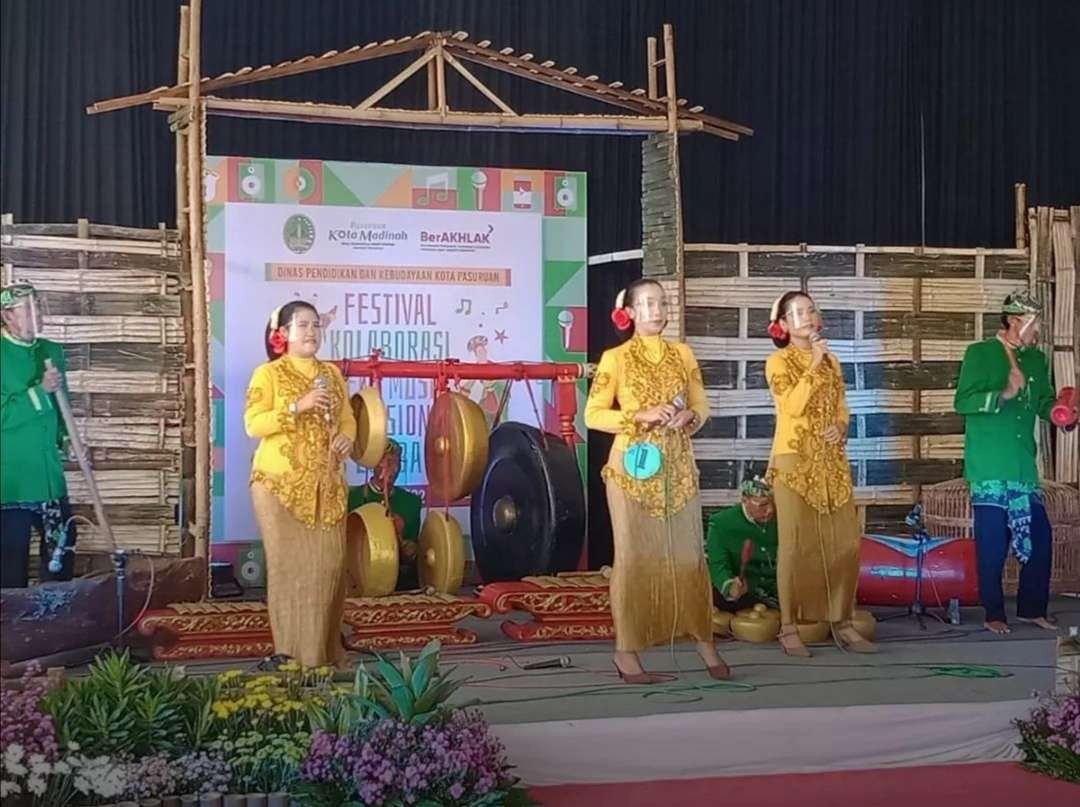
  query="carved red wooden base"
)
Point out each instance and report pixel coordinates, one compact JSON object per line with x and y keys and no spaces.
{"x":571,"y":606}
{"x":205,"y":630}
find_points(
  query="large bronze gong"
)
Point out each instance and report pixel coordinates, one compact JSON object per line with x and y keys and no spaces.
{"x":455,"y":447}
{"x":440,"y":561}
{"x":371,"y":427}
{"x":372,"y":551}
{"x":528,"y":516}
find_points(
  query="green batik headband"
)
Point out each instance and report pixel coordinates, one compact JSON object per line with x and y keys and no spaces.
{"x":755,"y":487}
{"x":1020,"y":303}
{"x":11,"y":296}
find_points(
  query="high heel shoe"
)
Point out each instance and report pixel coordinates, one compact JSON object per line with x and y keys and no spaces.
{"x":719,"y":672}
{"x":637,"y":678}
{"x":851,"y":639}
{"x":791,"y":643}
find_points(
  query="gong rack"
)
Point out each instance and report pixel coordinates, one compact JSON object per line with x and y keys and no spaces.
{"x":527,"y":506}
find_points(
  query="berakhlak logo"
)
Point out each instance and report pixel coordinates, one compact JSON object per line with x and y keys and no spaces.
{"x":298,"y":233}
{"x":252,"y":182}
{"x":566,"y":193}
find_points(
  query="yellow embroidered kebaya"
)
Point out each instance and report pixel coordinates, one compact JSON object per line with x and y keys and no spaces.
{"x":641,"y":373}
{"x":807,"y":402}
{"x":293,"y":458}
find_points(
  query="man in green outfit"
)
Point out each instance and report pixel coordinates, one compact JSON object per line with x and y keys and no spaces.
{"x":405,"y":509}
{"x":33,"y":492}
{"x":753,"y":519}
{"x":1004,"y":387}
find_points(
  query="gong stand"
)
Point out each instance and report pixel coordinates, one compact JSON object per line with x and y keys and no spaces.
{"x":442,"y":371}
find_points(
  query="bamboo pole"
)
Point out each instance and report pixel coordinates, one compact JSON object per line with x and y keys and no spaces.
{"x":1020,"y":190}
{"x":181,"y":136}
{"x":432,"y":87}
{"x":198,"y":285}
{"x":650,"y":65}
{"x":396,"y":81}
{"x":440,"y":78}
{"x":672,"y":94}
{"x":478,"y":84}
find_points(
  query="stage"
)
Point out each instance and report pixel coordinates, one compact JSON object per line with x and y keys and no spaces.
{"x":945,"y":695}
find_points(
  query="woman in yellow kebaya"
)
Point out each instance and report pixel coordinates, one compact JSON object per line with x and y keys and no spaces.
{"x":660,"y":588}
{"x":817,"y":566}
{"x":297,"y":406}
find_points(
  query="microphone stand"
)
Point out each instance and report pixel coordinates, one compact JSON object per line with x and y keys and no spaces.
{"x":914,"y":519}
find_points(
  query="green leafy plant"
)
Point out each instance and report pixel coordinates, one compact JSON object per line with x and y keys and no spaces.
{"x":412,"y":693}
{"x":125,"y":709}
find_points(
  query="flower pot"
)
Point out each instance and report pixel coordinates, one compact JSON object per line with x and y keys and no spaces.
{"x":278,"y":800}
{"x":256,"y":800}
{"x":235,"y":800}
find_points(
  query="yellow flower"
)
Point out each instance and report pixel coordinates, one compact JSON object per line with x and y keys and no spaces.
{"x":230,"y":675}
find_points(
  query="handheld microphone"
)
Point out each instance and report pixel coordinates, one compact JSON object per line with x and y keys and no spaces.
{"x":548,"y":664}
{"x":321,"y":382}
{"x":56,"y":562}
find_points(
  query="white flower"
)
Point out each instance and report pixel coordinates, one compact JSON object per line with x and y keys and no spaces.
{"x":8,"y":789}
{"x":73,"y":746}
{"x":13,"y":754}
{"x":36,"y":785}
{"x":16,"y":769}
{"x":61,"y":767}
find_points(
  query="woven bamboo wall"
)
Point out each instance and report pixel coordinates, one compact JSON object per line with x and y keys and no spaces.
{"x":899,"y":318}
{"x":116,"y":299}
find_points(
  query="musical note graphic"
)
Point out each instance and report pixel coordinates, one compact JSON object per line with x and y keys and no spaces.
{"x":464,"y":307}
{"x":499,"y":308}
{"x":437,"y":181}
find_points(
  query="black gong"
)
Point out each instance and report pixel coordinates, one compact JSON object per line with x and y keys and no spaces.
{"x":528,"y":515}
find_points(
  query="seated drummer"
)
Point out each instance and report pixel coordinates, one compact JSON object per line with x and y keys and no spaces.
{"x":404,"y":510}
{"x":753,"y":519}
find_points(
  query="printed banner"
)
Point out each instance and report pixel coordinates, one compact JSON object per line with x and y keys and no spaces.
{"x":420,"y":263}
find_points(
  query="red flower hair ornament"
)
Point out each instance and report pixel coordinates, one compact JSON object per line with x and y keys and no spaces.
{"x":619,"y":315}
{"x":279,"y":343}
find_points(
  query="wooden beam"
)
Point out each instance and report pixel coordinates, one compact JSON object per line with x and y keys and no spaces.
{"x":200,"y":334}
{"x":469,"y":77}
{"x":306,"y":64}
{"x":650,"y":65}
{"x":396,"y":81}
{"x":500,"y":121}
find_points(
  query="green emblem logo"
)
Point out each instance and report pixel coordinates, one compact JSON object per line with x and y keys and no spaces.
{"x":298,"y":233}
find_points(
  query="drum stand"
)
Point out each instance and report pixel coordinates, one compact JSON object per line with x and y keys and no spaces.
{"x":916,"y":609}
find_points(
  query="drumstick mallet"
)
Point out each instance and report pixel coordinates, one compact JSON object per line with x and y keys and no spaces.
{"x":747,"y":553}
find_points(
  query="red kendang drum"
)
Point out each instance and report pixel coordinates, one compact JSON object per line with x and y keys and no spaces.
{"x":888,"y":565}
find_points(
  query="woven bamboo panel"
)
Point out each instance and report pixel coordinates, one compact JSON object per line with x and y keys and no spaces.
{"x":114,"y":297}
{"x":947,"y":512}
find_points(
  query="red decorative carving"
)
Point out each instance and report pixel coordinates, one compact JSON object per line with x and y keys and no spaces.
{"x":563,"y":608}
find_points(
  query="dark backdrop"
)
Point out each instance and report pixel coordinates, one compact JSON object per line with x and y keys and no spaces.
{"x":855,"y":103}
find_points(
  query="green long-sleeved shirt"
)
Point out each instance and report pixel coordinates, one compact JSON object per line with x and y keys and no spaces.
{"x":999,"y":436}
{"x":31,"y":428}
{"x":728,"y":530}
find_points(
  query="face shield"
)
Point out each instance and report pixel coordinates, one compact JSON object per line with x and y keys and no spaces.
{"x":21,"y":315}
{"x":802,"y":314}
{"x":304,"y":329}
{"x":650,"y":306}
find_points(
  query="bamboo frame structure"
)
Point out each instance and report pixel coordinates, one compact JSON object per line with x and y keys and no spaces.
{"x":189,"y":102}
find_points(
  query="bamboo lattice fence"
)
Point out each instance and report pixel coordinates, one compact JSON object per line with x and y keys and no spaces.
{"x":117,"y":299}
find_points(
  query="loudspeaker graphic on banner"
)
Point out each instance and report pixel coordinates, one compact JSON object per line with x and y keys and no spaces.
{"x":252,"y":182}
{"x":252,"y":563}
{"x":566,"y":193}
